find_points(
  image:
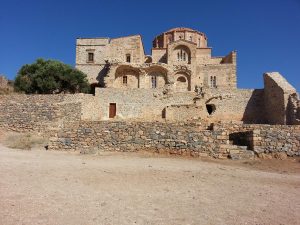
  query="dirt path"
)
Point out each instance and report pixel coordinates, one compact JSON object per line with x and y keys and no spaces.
{"x":42,"y":187}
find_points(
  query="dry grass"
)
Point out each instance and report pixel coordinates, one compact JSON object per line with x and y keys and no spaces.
{"x":25,"y":141}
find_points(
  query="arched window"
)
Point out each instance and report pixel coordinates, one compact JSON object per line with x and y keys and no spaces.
{"x":128,"y":58}
{"x":191,"y":38}
{"x":153,"y":81}
{"x":213,"y":81}
{"x":125,"y":80}
{"x":181,"y":79}
{"x":181,"y":55}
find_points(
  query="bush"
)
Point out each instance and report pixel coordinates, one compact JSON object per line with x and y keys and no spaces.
{"x":50,"y":77}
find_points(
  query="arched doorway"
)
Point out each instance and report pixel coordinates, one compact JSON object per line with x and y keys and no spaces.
{"x":182,"y":82}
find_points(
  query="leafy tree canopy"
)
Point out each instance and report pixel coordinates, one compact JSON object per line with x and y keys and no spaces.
{"x":50,"y":77}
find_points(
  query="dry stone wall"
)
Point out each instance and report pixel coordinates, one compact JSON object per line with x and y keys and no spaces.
{"x":36,"y":112}
{"x":182,"y":139}
{"x":195,"y":139}
{"x":264,"y":138}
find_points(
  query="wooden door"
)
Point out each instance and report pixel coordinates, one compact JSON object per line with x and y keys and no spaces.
{"x":112,"y":110}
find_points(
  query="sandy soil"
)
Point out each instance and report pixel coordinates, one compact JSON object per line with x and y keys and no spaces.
{"x":43,"y":187}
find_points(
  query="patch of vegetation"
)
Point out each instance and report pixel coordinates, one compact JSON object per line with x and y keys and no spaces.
{"x":50,"y":77}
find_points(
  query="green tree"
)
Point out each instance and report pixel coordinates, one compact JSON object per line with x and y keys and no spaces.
{"x":50,"y":77}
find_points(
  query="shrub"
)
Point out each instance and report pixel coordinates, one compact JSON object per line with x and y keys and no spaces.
{"x":50,"y":77}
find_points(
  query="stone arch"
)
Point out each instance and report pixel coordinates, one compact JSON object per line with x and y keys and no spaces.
{"x":156,"y":77}
{"x":126,"y":77}
{"x":182,"y":81}
{"x":182,"y":54}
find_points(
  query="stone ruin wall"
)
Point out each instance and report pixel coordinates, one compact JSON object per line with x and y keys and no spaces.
{"x":78,"y":121}
{"x":293,"y":109}
{"x":30,"y":111}
{"x":264,"y":138}
{"x":39,"y":113}
{"x":278,"y":96}
{"x":3,"y":82}
{"x":245,"y":105}
{"x":139,"y":104}
{"x":155,"y":105}
{"x":195,"y":139}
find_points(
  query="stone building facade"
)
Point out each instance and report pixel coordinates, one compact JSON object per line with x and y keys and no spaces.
{"x":181,"y":61}
{"x":179,"y":81}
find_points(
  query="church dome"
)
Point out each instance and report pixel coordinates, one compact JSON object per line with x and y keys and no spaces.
{"x":180,"y":29}
{"x":180,"y":33}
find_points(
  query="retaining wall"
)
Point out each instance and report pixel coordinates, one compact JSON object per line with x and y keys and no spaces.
{"x":178,"y":138}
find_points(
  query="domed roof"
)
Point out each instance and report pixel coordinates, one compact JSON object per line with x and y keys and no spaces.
{"x":162,"y":40}
{"x":181,"y":29}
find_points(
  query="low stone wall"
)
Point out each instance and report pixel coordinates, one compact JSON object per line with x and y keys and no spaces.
{"x":263,"y":138}
{"x":36,"y":112}
{"x":183,"y":139}
{"x":177,"y":138}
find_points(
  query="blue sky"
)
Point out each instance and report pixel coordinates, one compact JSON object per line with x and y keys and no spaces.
{"x":266,"y":34}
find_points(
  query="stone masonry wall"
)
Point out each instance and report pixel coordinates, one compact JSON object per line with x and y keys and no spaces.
{"x":193,"y":139}
{"x":185,"y":112}
{"x":264,"y":138}
{"x":36,"y":112}
{"x":277,"y":93}
{"x":181,"y":138}
{"x":71,"y":121}
{"x":225,"y":75}
{"x":245,"y":105}
{"x":293,"y":109}
{"x":139,"y":104}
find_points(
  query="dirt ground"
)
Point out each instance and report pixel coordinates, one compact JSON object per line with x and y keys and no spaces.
{"x":44,"y":187}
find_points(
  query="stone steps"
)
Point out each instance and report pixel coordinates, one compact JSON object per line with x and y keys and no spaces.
{"x":235,"y":152}
{"x":242,"y":154}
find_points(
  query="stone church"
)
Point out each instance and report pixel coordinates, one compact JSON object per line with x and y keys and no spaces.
{"x":181,"y":60}
{"x":179,"y":81}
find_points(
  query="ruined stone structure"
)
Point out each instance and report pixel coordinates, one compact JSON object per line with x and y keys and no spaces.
{"x":3,"y":81}
{"x":179,"y":100}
